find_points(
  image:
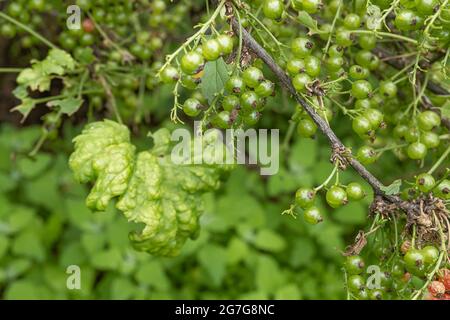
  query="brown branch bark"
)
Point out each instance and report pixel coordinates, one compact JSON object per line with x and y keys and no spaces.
{"x":335,"y":142}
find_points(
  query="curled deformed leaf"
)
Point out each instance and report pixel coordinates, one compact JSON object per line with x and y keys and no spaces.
{"x":151,"y":189}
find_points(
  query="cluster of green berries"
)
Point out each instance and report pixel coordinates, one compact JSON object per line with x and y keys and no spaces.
{"x":245,"y":92}
{"x":28,"y":12}
{"x":359,"y":285}
{"x":419,"y":262}
{"x":426,"y":183}
{"x":336,"y":196}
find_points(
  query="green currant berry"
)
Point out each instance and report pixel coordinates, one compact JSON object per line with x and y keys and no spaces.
{"x":374,"y":116}
{"x":417,"y":151}
{"x":361,"y":125}
{"x":344,"y":38}
{"x":300,"y":82}
{"x":412,"y":135}
{"x":358,"y":73}
{"x":363,"y":104}
{"x":356,"y":283}
{"x":414,"y":262}
{"x":312,"y":66}
{"x":192,"y":107}
{"x":354,"y":265}
{"x":336,"y":197}
{"x":336,"y":51}
{"x":430,"y":139}
{"x":302,"y":47}
{"x":295,"y":66}
{"x":225,"y":43}
{"x":388,"y":89}
{"x":427,"y":120}
{"x":67,"y":41}
{"x":355,"y":191}
{"x":252,"y":77}
{"x":311,"y":6}
{"x":305,"y":197}
{"x":352,"y":21}
{"x":406,"y":20}
{"x":367,"y":155}
{"x":367,"y":41}
{"x":192,"y":62}
{"x":87,"y":39}
{"x":190,"y":82}
{"x":426,"y":7}
{"x":312,"y":215}
{"x":8,"y":30}
{"x":334,"y":63}
{"x":222,"y":120}
{"x":400,"y":131}
{"x":169,"y":74}
{"x":211,"y":50}
{"x":397,"y":270}
{"x":367,"y":60}
{"x":273,"y":9}
{"x":430,"y":255}
{"x":249,"y":101}
{"x":235,"y":85}
{"x":361,"y":89}
{"x":306,"y":128}
{"x":376,"y":294}
{"x":265,"y":89}
{"x":230,"y":102}
{"x":425,"y":182}
{"x":252,"y":118}
{"x":443,"y":189}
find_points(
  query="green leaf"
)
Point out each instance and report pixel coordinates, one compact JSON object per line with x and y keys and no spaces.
{"x":152,"y":274}
{"x":213,"y":259}
{"x":62,"y":58}
{"x":25,"y":107}
{"x":393,"y":188}
{"x":34,"y":78}
{"x":268,"y":277}
{"x":308,"y":21}
{"x":302,"y":252}
{"x":288,"y":292}
{"x":270,"y":241}
{"x":31,"y":167}
{"x":445,"y":109}
{"x":4,"y":244}
{"x":352,"y":213}
{"x":20,"y":218}
{"x":23,"y":290}
{"x":214,"y":78}
{"x":29,"y":245}
{"x":237,"y":251}
{"x":67,"y":106}
{"x":108,"y":259}
{"x":152,"y":188}
{"x":122,"y":289}
{"x":282,"y":182}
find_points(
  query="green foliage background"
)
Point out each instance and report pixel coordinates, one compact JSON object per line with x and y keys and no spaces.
{"x":246,"y":248}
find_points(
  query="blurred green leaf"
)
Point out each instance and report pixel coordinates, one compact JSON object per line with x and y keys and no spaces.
{"x":213,"y":259}
{"x":152,"y":274}
{"x":108,"y":259}
{"x":269,"y":277}
{"x":270,"y":241}
{"x":28,"y":244}
{"x":30,"y":168}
